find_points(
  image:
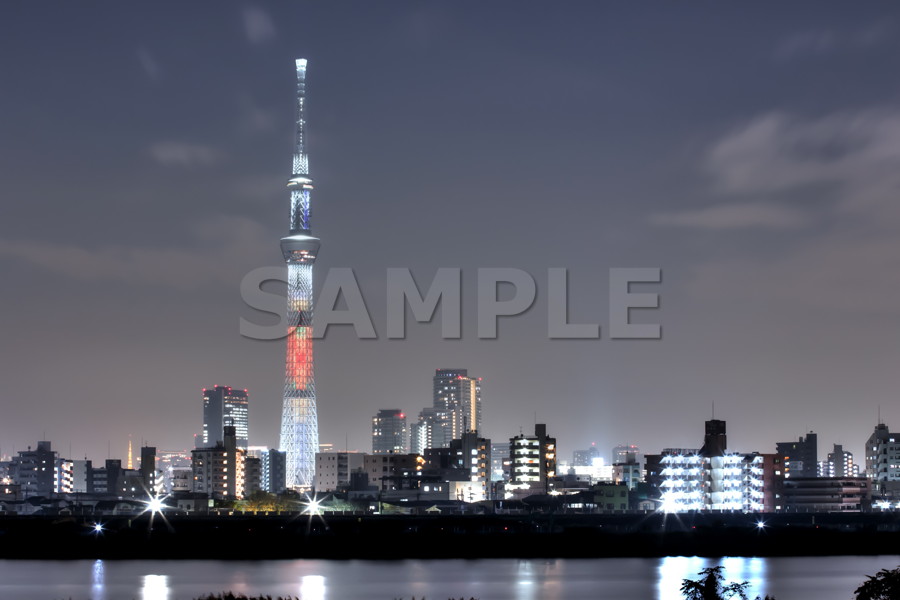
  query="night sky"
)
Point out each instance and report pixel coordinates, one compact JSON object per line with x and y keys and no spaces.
{"x":751,"y":151}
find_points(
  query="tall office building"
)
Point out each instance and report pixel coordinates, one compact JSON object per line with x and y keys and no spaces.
{"x":224,"y":405}
{"x":299,"y":417}
{"x":457,"y":405}
{"x":389,"y":432}
{"x":800,"y":458}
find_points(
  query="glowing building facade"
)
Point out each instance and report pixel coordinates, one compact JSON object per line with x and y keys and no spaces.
{"x":692,"y":481}
{"x":712,"y":478}
{"x":533,"y":459}
{"x":299,"y":417}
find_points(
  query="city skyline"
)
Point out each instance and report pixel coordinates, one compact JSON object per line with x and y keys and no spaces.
{"x":145,"y":182}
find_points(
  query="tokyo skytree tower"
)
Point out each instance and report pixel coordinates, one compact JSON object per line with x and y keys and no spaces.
{"x":299,"y":420}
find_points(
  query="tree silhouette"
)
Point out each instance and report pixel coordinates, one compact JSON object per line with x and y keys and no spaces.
{"x":884,"y":585}
{"x":711,"y":586}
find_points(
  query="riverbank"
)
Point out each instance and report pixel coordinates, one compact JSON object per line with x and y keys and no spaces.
{"x":242,"y":536}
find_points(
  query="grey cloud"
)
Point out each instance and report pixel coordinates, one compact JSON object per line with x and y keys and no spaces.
{"x":851,"y":158}
{"x":149,"y":64}
{"x":805,"y":43}
{"x":856,"y":154}
{"x":827,"y":41}
{"x":857,"y":274}
{"x":229,"y":246}
{"x":254,"y":119}
{"x":184,"y":154}
{"x":734,"y":216}
{"x":258,"y":25}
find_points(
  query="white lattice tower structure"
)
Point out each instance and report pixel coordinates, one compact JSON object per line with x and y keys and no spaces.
{"x":299,"y":419}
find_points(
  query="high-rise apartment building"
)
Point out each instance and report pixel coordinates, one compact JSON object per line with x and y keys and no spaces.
{"x":422,"y":431}
{"x":800,"y":458}
{"x":389,"y":432}
{"x":712,"y":478}
{"x":153,"y":480}
{"x":500,"y":463}
{"x":35,"y":470}
{"x":455,"y":409}
{"x":839,"y":464}
{"x":472,"y":454}
{"x":219,"y":471}
{"x":533,"y":459}
{"x":224,"y":405}
{"x":272,"y":465}
{"x":883,"y":462}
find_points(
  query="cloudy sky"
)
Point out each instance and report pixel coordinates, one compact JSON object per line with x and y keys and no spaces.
{"x":752,"y":153}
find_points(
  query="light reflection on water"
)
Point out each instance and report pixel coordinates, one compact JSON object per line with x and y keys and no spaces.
{"x":675,"y":569}
{"x":829,"y":578}
{"x":312,"y":587}
{"x":155,"y":587}
{"x":97,"y":581}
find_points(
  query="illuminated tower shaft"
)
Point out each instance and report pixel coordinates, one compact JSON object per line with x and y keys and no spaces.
{"x":299,"y":420}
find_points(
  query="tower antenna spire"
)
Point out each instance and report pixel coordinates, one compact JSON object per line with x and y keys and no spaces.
{"x":299,"y":417}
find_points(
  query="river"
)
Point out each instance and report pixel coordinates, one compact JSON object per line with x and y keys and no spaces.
{"x":828,"y":578}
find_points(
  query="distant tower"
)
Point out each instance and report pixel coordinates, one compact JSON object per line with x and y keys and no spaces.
{"x":299,"y":419}
{"x":224,"y":405}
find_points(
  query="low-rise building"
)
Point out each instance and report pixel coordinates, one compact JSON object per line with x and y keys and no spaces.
{"x":333,"y":469}
{"x":827,"y":494}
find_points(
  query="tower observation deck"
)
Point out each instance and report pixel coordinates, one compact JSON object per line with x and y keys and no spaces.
{"x":299,"y":418}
